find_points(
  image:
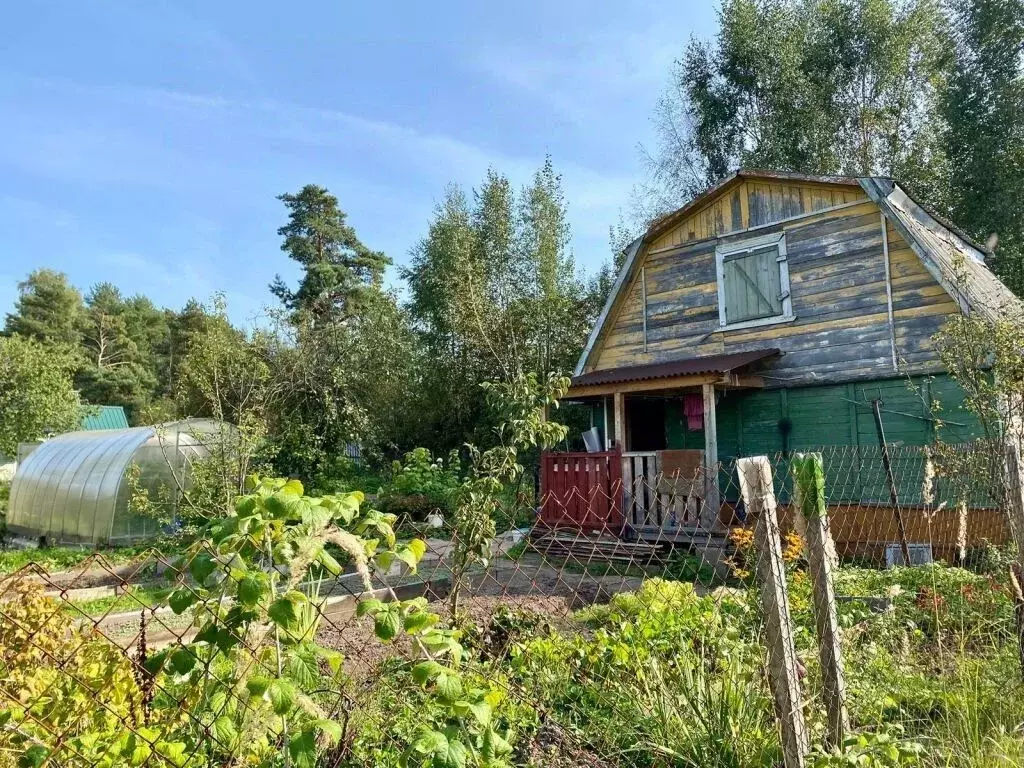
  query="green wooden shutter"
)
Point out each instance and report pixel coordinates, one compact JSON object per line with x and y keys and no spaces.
{"x":752,"y":284}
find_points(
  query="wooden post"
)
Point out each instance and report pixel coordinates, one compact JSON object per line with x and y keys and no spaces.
{"x":607,"y":437}
{"x":619,"y":416}
{"x":712,"y":502}
{"x":893,"y":495}
{"x":620,"y":420}
{"x":809,"y":502}
{"x":1015,"y":513}
{"x":755,"y":476}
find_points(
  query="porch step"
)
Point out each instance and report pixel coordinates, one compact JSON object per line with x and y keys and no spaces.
{"x":590,"y":548}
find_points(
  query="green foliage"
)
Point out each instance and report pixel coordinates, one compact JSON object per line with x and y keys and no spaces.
{"x":493,"y":294}
{"x":337,"y":268}
{"x":983,"y":357}
{"x":48,"y":309}
{"x":849,"y":87}
{"x":5,"y":496}
{"x":984,"y":110}
{"x":662,"y":677}
{"x":54,"y":559}
{"x":520,"y":406}
{"x":119,"y":341}
{"x":36,"y":393}
{"x":252,"y":676}
{"x":61,"y":679}
{"x":871,"y":749}
{"x":421,"y":484}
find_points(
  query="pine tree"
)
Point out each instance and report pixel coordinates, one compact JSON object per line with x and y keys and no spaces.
{"x":48,"y":308}
{"x":337,"y":268}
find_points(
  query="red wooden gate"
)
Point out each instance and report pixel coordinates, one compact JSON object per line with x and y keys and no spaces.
{"x":582,"y":490}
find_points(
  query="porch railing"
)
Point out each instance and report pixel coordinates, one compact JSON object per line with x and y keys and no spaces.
{"x":582,"y":490}
{"x":659,"y":497}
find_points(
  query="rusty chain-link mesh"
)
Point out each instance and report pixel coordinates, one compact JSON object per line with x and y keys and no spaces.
{"x":623,"y":623}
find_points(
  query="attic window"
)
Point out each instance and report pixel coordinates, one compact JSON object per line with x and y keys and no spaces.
{"x":753,"y":282}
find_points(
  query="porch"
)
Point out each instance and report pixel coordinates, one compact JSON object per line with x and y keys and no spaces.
{"x":657,"y":475}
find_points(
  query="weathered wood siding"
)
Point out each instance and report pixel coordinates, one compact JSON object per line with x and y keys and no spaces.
{"x":837,"y":277}
{"x":751,"y":203}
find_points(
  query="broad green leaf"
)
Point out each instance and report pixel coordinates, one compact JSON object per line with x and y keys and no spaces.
{"x":182,"y":599}
{"x":387,"y":624}
{"x":246,"y":506}
{"x":326,"y":559}
{"x":293,"y":488}
{"x":283,"y":612}
{"x":302,"y":748}
{"x":419,"y":621}
{"x":172,"y":751}
{"x":201,"y":567}
{"x":370,"y":605}
{"x":426,"y":671}
{"x":481,"y":711}
{"x":281,"y":695}
{"x":331,"y":729}
{"x":449,"y":686}
{"x":252,"y":588}
{"x":408,"y":557}
{"x":34,"y":756}
{"x":457,"y":754}
{"x":333,"y":658}
{"x":224,"y":731}
{"x":182,"y":661}
{"x":346,"y":508}
{"x":257,"y":685}
{"x":418,"y":547}
{"x":316,"y":515}
{"x":280,"y":505}
{"x":494,"y":745}
{"x":154,"y":663}
{"x":429,"y":742}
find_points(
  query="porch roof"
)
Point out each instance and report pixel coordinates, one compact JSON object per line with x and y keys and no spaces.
{"x":693,"y":366}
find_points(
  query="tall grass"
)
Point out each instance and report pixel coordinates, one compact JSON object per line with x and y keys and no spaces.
{"x":704,"y":713}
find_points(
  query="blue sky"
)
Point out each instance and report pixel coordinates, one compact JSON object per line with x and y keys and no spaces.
{"x":144,"y":142}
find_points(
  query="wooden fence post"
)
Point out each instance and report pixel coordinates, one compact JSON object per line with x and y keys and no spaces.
{"x":809,"y":501}
{"x":755,"y":476}
{"x":1015,"y":512}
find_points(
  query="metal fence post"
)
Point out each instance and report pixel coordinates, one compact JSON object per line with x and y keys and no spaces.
{"x":809,"y":502}
{"x":1015,"y":512}
{"x":755,"y":476}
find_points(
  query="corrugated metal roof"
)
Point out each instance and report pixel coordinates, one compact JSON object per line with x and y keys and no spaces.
{"x":105,"y":417}
{"x":693,"y":366}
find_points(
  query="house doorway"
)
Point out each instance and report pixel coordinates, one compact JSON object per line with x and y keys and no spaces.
{"x":645,"y":420}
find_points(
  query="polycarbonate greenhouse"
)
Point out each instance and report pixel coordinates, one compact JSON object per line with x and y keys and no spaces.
{"x":74,"y":487}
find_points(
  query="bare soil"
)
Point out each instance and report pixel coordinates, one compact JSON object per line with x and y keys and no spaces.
{"x":528,"y":585}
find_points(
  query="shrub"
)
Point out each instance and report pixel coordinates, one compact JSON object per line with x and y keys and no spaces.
{"x":420,"y":484}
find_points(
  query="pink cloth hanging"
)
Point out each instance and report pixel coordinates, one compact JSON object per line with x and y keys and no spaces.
{"x":693,"y":410}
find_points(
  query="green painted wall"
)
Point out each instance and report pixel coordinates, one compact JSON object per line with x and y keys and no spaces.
{"x":836,"y":415}
{"x":841,"y":415}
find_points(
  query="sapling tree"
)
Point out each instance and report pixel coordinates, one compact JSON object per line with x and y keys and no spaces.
{"x":522,"y":403}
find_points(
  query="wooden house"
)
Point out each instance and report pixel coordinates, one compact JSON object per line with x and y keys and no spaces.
{"x":775,"y":312}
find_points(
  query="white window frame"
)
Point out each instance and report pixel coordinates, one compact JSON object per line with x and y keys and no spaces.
{"x":777,"y":239}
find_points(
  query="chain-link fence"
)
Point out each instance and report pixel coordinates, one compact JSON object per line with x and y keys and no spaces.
{"x":649,"y":613}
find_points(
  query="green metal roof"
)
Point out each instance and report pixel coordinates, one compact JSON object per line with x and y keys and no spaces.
{"x":105,"y":417}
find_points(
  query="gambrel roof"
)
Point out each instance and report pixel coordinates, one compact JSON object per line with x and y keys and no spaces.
{"x":956,"y":263}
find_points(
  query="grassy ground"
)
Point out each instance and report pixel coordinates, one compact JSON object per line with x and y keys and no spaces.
{"x":133,"y":599}
{"x":54,"y":559}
